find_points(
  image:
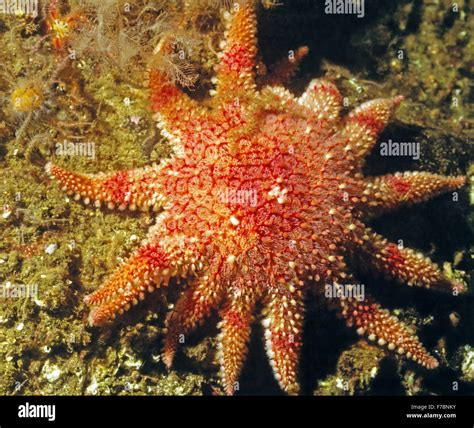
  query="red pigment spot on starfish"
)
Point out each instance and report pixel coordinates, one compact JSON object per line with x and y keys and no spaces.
{"x":119,"y":186}
{"x":285,"y":341}
{"x":162,"y":92}
{"x":370,"y":122}
{"x":331,"y":90}
{"x":362,"y":313}
{"x":399,"y":184}
{"x":235,"y":319}
{"x":394,"y":257}
{"x":154,"y":257}
{"x":167,"y":94}
{"x":237,"y":58}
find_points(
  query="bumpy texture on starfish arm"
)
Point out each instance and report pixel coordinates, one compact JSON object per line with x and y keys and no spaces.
{"x":128,"y":284}
{"x":323,"y":99}
{"x":235,"y":73}
{"x":283,"y":323}
{"x":192,"y":307}
{"x":405,"y":264}
{"x":263,"y":203}
{"x":236,"y":318}
{"x":386,"y":329}
{"x":364,"y":124}
{"x":284,"y":70}
{"x":150,"y":267}
{"x":132,"y":189}
{"x":391,"y":191}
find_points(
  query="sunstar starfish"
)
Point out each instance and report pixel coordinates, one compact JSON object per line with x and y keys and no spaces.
{"x":263,"y":201}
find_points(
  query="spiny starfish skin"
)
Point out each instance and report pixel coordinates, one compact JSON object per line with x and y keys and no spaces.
{"x":303,"y":162}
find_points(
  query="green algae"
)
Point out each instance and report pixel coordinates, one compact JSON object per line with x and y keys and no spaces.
{"x":356,"y":369}
{"x":67,"y":249}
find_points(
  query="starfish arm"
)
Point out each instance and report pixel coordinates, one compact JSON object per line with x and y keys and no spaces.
{"x":363,"y":125}
{"x":174,"y":109}
{"x":382,"y":194}
{"x":147,"y":266}
{"x":192,"y":307}
{"x":323,"y":99}
{"x":234,"y":336}
{"x":405,"y":264}
{"x":134,"y":188}
{"x":235,"y":74}
{"x":283,"y":325}
{"x":280,"y":99}
{"x":378,"y":324}
{"x":284,"y":70}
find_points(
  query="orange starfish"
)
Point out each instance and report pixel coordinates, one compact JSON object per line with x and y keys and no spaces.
{"x":263,"y":201}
